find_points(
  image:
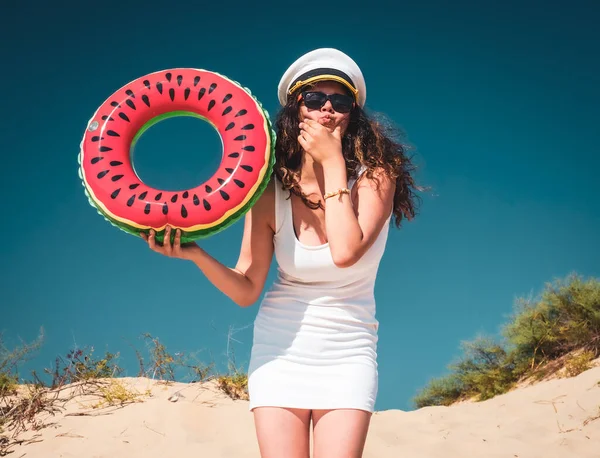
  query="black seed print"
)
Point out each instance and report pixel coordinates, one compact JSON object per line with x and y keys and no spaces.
{"x":147,"y":84}
{"x":147,"y":209}
{"x":234,"y":155}
{"x":226,"y":98}
{"x":112,"y":133}
{"x":248,"y":127}
{"x":224,"y":195}
{"x":239,"y":183}
{"x":184,"y":212}
{"x":104,"y":118}
{"x":115,"y":104}
{"x":95,"y":138}
{"x":165,"y":209}
{"x":124,"y":117}
{"x":241,"y":113}
{"x":96,"y":159}
{"x":115,"y":163}
{"x":172,"y":94}
{"x":208,"y":189}
{"x":134,"y":185}
{"x":196,"y":80}
{"x":168,"y":75}
{"x":239,"y":138}
{"x":225,"y":111}
{"x":201,"y":93}
{"x":159,"y":87}
{"x":212,"y":87}
{"x":174,"y":198}
{"x":196,"y":200}
{"x":247,"y":168}
{"x":220,"y":180}
{"x":186,"y":93}
{"x":179,"y":80}
{"x":115,"y":193}
{"x":104,"y":149}
{"x":130,"y":93}
{"x":206,"y":204}
{"x":102,"y":174}
{"x":228,"y":170}
{"x":211,"y":104}
{"x":158,"y":196}
{"x":143,"y":195}
{"x":117,"y":177}
{"x":185,"y":194}
{"x":248,"y":148}
{"x":131,"y":201}
{"x":231,"y":125}
{"x":146,"y":100}
{"x":130,"y":104}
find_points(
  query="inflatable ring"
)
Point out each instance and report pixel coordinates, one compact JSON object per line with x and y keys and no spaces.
{"x":115,"y":190}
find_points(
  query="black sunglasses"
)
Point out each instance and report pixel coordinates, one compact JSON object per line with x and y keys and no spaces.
{"x":340,"y":102}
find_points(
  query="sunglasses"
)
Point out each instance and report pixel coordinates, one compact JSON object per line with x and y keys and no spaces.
{"x":315,"y":100}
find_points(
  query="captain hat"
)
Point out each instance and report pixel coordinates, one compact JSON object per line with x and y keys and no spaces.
{"x":319,"y":65}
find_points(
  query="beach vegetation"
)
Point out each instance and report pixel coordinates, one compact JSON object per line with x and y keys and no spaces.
{"x":556,"y":333}
{"x":234,"y":383}
{"x":96,"y":378}
{"x":115,"y":393}
{"x":579,"y":362}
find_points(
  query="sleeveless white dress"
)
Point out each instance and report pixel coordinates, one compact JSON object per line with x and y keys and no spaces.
{"x":315,"y":333}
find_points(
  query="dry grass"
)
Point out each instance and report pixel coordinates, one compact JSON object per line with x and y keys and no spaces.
{"x":578,"y":362}
{"x":91,"y":380}
{"x":593,"y":417}
{"x":114,"y":393}
{"x":234,"y":385}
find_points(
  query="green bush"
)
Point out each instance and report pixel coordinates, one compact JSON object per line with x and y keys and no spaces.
{"x":484,"y":371}
{"x":442,"y":391}
{"x":566,"y":318}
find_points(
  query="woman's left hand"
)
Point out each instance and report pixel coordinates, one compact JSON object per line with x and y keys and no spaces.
{"x":320,"y":142}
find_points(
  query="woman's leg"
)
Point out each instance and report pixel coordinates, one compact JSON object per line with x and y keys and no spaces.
{"x":282,"y":432}
{"x":340,"y":433}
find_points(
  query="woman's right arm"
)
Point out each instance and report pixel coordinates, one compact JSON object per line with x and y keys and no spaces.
{"x":245,"y":282}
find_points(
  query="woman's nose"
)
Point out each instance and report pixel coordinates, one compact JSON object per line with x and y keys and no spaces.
{"x":327,"y":107}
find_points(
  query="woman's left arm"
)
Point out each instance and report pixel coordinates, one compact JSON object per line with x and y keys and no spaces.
{"x":351,"y":230}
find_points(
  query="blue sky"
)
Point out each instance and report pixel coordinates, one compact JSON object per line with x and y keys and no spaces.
{"x":499,"y":100}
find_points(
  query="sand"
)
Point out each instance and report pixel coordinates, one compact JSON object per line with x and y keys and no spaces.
{"x":550,"y":419}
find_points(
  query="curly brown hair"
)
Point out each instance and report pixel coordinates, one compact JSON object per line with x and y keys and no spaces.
{"x":366,"y":142}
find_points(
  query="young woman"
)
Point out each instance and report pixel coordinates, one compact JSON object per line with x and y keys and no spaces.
{"x":339,"y":180}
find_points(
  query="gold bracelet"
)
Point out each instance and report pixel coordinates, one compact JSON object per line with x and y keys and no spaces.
{"x":335,"y":193}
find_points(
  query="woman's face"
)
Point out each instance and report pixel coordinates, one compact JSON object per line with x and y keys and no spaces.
{"x":326,"y":115}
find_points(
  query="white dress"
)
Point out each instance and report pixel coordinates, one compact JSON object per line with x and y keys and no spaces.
{"x":315,"y":333}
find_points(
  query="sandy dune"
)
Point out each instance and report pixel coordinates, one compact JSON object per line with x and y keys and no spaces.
{"x":551,"y":419}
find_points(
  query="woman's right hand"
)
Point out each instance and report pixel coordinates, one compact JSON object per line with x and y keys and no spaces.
{"x":244,"y":283}
{"x":175,"y":250}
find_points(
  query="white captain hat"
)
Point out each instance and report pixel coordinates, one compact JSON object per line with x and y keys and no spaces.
{"x":323,"y":64}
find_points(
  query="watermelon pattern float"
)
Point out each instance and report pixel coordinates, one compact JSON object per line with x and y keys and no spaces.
{"x":118,"y":194}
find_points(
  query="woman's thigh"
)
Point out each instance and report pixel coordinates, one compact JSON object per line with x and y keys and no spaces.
{"x":282,"y":432}
{"x":340,"y":433}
